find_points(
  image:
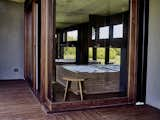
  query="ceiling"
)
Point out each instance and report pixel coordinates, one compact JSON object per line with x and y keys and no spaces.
{"x":70,"y":12}
{"x":18,"y":1}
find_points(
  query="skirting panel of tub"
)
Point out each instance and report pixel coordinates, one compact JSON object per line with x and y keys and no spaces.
{"x":98,"y":80}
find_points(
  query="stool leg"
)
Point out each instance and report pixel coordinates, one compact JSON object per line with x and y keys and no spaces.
{"x":66,"y":90}
{"x":80,"y":89}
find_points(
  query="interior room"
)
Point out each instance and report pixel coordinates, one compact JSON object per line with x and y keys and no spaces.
{"x":79,"y":59}
{"x":91,"y":50}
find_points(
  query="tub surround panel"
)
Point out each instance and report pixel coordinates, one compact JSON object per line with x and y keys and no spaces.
{"x":98,"y":80}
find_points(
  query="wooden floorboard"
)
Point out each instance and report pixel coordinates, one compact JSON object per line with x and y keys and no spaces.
{"x":18,"y":103}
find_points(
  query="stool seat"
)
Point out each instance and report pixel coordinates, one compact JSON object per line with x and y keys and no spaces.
{"x":69,"y":80}
{"x":73,"y":79}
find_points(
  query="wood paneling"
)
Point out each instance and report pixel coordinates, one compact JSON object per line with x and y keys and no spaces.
{"x":132,"y":70}
{"x":30,"y":44}
{"x":34,"y":44}
{"x":51,"y":46}
{"x":28,"y":61}
{"x":47,"y":49}
{"x":44,"y":50}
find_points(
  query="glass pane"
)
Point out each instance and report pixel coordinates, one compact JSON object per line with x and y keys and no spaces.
{"x":64,"y":37}
{"x":93,"y":33}
{"x":90,"y":53}
{"x":69,"y":53}
{"x":118,"y":31}
{"x":115,"y":56}
{"x":104,"y":32}
{"x":101,"y":55}
{"x":72,"y":35}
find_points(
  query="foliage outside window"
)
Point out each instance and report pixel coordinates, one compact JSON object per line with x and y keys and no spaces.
{"x":72,"y":35}
{"x":115,"y":56}
{"x":104,"y":32}
{"x":118,"y":31}
{"x":70,"y":53}
{"x":90,"y":53}
{"x":101,"y":55}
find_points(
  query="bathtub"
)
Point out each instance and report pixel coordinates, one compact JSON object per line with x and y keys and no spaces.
{"x":98,"y":78}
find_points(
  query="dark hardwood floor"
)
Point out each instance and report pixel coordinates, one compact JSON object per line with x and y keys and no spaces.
{"x":18,"y":103}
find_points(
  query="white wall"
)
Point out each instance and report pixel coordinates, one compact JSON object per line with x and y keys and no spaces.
{"x":153,"y":74}
{"x":11,"y":40}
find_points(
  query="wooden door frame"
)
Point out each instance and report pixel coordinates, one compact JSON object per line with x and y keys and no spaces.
{"x":27,"y":25}
{"x":48,"y":63}
{"x":132,"y":73}
{"x":34,"y":43}
{"x":47,"y":51}
{"x":30,"y":10}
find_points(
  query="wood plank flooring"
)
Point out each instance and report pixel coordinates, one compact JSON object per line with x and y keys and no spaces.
{"x":18,"y":103}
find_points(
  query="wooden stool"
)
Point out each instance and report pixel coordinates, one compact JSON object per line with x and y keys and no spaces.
{"x":69,"y":80}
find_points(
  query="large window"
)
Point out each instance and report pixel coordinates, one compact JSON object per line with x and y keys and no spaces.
{"x":72,"y":35}
{"x":104,"y":32}
{"x":115,"y":55}
{"x":70,"y":53}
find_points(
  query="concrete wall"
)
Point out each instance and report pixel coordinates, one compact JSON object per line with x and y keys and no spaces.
{"x":11,"y":40}
{"x":153,"y":75}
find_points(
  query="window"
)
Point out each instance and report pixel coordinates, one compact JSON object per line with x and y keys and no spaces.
{"x":90,"y":53}
{"x":70,"y":53}
{"x":104,"y":32}
{"x":101,"y":55}
{"x":115,"y":55}
{"x":93,"y":33}
{"x":118,"y":31}
{"x":64,"y":37}
{"x":72,"y":35}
